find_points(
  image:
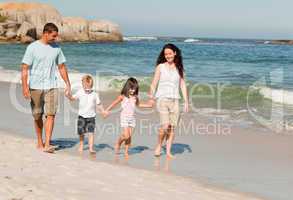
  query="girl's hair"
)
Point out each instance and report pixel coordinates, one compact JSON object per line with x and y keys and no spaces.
{"x":131,"y":83}
{"x":177,"y":60}
{"x":88,"y":80}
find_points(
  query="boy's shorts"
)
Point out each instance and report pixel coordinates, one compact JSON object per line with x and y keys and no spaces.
{"x":169,"y":111}
{"x":86,"y":125}
{"x":44,"y":101}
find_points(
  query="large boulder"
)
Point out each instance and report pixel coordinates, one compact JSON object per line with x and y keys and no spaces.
{"x":26,"y":29}
{"x":36,"y":14}
{"x":28,"y":20}
{"x":2,"y":30}
{"x":104,"y":31}
{"x":74,"y":29}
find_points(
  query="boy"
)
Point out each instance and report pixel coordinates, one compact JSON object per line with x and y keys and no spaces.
{"x":89,"y":102}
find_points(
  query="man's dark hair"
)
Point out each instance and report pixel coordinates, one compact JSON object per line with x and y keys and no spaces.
{"x":49,"y":28}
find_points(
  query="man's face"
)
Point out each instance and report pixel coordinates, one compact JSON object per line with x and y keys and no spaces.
{"x":51,"y":37}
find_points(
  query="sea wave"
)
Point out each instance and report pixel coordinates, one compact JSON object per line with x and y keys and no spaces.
{"x":139,"y":38}
{"x":101,"y":83}
{"x":278,"y":95}
{"x":191,"y":40}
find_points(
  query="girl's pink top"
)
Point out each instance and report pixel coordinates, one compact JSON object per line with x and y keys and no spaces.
{"x":128,"y":107}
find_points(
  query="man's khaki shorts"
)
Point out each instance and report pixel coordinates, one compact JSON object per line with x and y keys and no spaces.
{"x":44,"y":101}
{"x":169,"y":111}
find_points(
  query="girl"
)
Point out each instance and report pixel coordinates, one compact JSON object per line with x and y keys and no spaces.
{"x":169,"y":76}
{"x":129,"y":100}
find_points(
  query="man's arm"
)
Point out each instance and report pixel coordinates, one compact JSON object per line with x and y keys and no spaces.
{"x":64,"y":75}
{"x":24,"y":78}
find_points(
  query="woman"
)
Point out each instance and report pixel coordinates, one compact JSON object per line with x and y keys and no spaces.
{"x":169,"y":77}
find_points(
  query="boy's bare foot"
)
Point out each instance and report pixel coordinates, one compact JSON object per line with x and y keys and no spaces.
{"x":126,"y":155}
{"x":80,"y":149}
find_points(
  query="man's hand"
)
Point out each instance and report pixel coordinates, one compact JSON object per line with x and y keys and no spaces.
{"x":26,"y":93}
{"x":67,"y":91}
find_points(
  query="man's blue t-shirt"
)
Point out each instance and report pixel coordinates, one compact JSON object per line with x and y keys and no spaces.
{"x":43,"y":60}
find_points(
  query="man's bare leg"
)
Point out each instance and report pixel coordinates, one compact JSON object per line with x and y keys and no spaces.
{"x":49,"y":125}
{"x":39,"y":131}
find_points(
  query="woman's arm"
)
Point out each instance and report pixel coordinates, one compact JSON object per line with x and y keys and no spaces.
{"x":155,"y":81}
{"x":148,"y":104}
{"x":184,"y":93}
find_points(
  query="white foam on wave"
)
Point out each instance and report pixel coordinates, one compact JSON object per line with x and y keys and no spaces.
{"x":277,"y":95}
{"x":101,"y":83}
{"x":191,"y":40}
{"x":139,"y":38}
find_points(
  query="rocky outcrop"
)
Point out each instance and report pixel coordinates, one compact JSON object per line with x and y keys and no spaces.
{"x":284,"y":42}
{"x":25,"y":22}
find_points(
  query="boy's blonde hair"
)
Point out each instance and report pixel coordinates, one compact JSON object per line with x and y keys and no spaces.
{"x":87,"y":79}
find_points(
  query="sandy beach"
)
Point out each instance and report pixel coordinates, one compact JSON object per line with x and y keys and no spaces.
{"x":250,"y":161}
{"x":28,"y":174}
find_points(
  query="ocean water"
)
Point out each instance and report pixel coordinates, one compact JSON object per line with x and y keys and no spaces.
{"x":234,"y":67}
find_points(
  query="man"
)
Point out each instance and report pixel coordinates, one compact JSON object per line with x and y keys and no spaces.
{"x":41,"y":61}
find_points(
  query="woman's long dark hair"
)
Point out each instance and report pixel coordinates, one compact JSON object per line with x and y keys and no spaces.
{"x":177,"y":60}
{"x":131,"y":83}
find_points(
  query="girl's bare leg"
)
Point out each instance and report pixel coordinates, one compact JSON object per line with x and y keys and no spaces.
{"x":128,"y":141}
{"x":120,"y":140}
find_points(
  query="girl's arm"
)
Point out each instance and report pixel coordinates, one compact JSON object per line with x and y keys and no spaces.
{"x":184,"y":93}
{"x":100,"y":108}
{"x":155,"y":82}
{"x":114,"y":103}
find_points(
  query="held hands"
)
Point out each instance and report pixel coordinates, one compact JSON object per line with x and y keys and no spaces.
{"x":67,"y":91}
{"x":105,"y":113}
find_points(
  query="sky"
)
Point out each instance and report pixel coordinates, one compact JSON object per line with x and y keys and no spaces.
{"x":258,"y":19}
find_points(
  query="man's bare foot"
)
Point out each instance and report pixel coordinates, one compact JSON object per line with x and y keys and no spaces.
{"x":40,"y":146}
{"x":49,"y":149}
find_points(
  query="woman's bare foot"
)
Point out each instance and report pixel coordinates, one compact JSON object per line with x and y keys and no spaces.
{"x":170,"y":156}
{"x":158,"y":151}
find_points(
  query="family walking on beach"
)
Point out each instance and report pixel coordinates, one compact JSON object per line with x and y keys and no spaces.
{"x":43,"y":58}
